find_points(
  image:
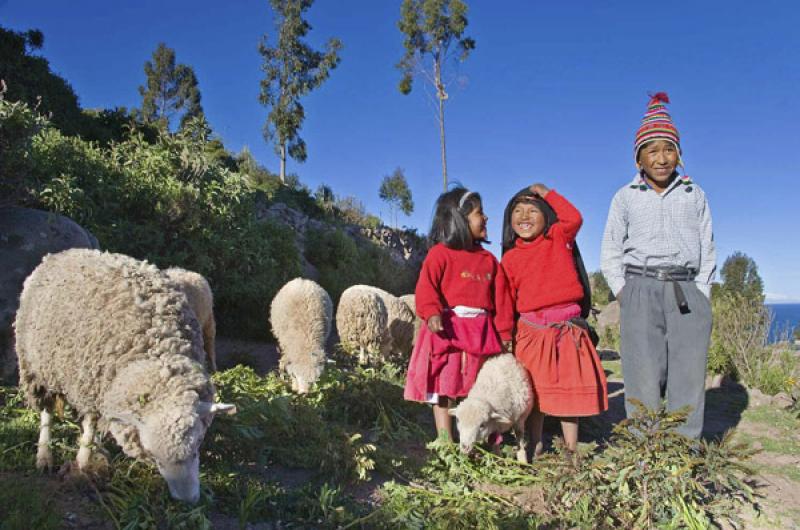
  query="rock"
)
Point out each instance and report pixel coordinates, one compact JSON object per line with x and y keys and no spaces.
{"x":758,"y":398}
{"x":26,"y":236}
{"x":609,"y":316}
{"x":782,"y":400}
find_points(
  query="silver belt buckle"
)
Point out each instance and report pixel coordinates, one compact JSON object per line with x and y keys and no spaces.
{"x":662,"y":275}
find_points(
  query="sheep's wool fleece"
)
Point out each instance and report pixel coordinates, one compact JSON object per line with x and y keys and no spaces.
{"x":361,"y":318}
{"x":197,"y":290}
{"x":399,"y":322}
{"x":301,"y":315}
{"x":87,"y":317}
{"x":505,"y":385}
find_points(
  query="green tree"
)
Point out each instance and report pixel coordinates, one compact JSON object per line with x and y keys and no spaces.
{"x":171,"y":90}
{"x":600,"y":290}
{"x":740,"y":275}
{"x":28,"y":78}
{"x":433,"y":32}
{"x":395,"y":192}
{"x":292,"y":69}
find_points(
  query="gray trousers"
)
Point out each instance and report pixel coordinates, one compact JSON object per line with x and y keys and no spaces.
{"x":664,"y":351}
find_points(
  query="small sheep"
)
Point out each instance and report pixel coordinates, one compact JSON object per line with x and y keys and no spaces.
{"x":301,"y":316}
{"x":501,"y":399}
{"x":201,"y":300}
{"x":116,"y":339}
{"x":361,"y":320}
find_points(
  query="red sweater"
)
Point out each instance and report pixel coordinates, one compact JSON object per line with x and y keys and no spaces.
{"x":470,"y":278}
{"x":542,"y":273}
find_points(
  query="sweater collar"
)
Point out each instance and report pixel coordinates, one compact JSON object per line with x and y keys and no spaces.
{"x":640,"y":183}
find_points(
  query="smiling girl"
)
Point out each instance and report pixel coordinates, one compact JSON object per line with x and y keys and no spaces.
{"x":546,"y":291}
{"x":455,"y":296}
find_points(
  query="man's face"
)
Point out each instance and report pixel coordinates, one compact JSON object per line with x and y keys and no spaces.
{"x":658,"y":159}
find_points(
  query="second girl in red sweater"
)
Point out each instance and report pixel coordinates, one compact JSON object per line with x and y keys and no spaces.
{"x":568,"y":379}
{"x":455,"y":296}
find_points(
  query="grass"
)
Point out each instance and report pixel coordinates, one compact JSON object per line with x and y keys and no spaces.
{"x":26,"y":504}
{"x":355,"y":427}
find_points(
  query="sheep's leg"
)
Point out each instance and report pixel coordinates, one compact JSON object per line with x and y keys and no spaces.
{"x":85,"y":445}
{"x":209,"y":337}
{"x":44,"y":456}
{"x":362,"y":356}
{"x":522,"y":443}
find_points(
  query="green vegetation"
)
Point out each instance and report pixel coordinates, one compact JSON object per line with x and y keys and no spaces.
{"x":292,"y":69}
{"x":170,"y":90}
{"x":394,"y":191}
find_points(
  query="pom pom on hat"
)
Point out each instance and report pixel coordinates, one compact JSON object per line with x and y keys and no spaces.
{"x":656,"y":124}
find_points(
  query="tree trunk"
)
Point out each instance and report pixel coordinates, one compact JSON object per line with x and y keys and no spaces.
{"x":441,"y":95}
{"x":283,"y":163}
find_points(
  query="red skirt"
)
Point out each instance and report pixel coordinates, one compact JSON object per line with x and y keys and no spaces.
{"x":447,"y":363}
{"x":568,"y":378}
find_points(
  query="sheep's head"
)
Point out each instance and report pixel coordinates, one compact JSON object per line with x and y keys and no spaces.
{"x":306,"y":373}
{"x":170,"y":438}
{"x":476,"y":421}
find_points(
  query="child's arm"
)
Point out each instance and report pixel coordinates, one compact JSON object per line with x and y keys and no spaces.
{"x":569,"y":218}
{"x":611,"y":251}
{"x":503,"y":305}
{"x":427,"y":294}
{"x":708,"y":252}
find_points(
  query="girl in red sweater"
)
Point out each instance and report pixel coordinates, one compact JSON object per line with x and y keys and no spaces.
{"x":568,"y":380}
{"x":455,"y":296}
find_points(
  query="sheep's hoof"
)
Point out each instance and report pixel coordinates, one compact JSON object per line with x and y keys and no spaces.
{"x":44,"y":461}
{"x":522,"y":455}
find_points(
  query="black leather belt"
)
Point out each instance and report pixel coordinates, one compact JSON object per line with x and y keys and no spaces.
{"x":667,"y":274}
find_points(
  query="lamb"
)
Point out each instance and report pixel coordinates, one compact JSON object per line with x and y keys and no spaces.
{"x":501,"y":399}
{"x":361,"y":320}
{"x":117,"y":340}
{"x":301,"y":315}
{"x":201,"y":300}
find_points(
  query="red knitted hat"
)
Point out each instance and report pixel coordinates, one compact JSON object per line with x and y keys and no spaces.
{"x":656,"y":124}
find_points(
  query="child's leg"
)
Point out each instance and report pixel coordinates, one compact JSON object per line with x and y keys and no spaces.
{"x":534,"y":426}
{"x":442,"y":418}
{"x":569,"y":426}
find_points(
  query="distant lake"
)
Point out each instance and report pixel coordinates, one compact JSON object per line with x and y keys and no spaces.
{"x":784,"y":317}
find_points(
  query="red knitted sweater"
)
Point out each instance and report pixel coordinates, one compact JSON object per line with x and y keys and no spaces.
{"x":542,"y":273}
{"x":470,"y":278}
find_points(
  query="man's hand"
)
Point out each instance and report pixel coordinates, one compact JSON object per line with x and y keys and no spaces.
{"x":540,"y":189}
{"x":435,"y":324}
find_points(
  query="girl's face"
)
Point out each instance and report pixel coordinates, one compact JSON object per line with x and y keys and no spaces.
{"x":527,"y":221}
{"x":477,"y":223}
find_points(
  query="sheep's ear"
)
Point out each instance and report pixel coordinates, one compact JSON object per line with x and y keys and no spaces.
{"x":499,"y":418}
{"x":209,"y":409}
{"x":452,"y":412}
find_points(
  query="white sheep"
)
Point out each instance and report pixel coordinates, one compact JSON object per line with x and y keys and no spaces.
{"x":116,"y":339}
{"x":301,"y":315}
{"x":361,"y":321}
{"x":411,"y":301}
{"x":201,"y":300}
{"x":501,"y":399}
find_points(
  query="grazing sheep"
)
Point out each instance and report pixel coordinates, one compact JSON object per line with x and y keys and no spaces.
{"x":500,"y":399}
{"x":201,"y":300}
{"x":398,"y":338}
{"x":117,"y":340}
{"x":361,"y":320}
{"x":301,"y":316}
{"x":411,"y":301}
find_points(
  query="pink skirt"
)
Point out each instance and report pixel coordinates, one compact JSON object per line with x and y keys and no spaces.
{"x":447,"y":363}
{"x":568,"y":379}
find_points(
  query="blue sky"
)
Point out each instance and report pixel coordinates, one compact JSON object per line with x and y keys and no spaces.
{"x":554,"y":92}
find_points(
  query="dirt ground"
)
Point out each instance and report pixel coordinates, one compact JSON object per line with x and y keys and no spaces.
{"x":766,"y":427}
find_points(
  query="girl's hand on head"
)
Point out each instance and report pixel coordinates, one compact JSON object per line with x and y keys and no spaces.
{"x":435,"y":324}
{"x":540,"y":189}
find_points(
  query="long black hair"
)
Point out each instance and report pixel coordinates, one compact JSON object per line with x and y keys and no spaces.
{"x":450,"y":225}
{"x":526,"y":195}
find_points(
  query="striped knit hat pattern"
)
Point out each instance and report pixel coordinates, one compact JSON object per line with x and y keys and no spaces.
{"x":656,"y":124}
